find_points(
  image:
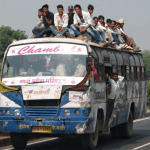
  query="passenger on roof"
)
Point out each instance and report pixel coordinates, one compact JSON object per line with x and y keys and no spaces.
{"x":60,"y":21}
{"x":70,"y":32}
{"x":111,"y":29}
{"x":99,"y":30}
{"x":40,"y":20}
{"x":82,"y":24}
{"x":48,"y":20}
{"x":129,"y":40}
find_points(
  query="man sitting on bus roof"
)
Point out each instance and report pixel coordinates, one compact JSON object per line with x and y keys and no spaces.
{"x":61,"y":22}
{"x":71,"y":33}
{"x":128,"y":40}
{"x":82,"y":24}
{"x":48,"y":20}
{"x":40,"y":20}
{"x":100,"y":33}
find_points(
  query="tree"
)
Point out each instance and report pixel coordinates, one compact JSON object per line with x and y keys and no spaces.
{"x":7,"y":35}
{"x":146,"y":55}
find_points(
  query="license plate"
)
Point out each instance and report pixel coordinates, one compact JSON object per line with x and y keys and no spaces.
{"x":41,"y":130}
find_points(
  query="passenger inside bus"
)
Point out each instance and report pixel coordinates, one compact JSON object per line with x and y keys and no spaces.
{"x":80,"y":69}
{"x":26,"y":70}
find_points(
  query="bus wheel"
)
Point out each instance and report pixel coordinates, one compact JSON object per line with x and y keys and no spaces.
{"x":114,"y":132}
{"x":19,"y":141}
{"x":126,"y":129}
{"x":89,"y":141}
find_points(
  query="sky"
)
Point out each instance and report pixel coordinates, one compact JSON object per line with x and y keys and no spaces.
{"x":22,"y":15}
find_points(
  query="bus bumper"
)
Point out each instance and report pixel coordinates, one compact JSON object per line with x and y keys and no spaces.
{"x":56,"y":126}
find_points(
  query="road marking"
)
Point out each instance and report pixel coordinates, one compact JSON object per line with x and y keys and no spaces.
{"x":142,"y":119}
{"x":141,"y":146}
{"x":35,"y":143}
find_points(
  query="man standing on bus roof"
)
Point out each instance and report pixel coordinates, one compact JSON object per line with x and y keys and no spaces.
{"x":61,"y":22}
{"x":115,"y":89}
{"x":48,"y":20}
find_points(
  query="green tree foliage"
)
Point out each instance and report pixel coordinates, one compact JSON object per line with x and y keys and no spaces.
{"x":148,"y":92}
{"x":146,"y":55}
{"x":7,"y":35}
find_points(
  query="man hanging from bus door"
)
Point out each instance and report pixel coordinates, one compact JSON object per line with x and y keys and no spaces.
{"x":115,"y":89}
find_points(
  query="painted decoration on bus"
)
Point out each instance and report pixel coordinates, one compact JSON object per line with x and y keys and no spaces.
{"x":51,"y":48}
{"x":39,"y":92}
{"x":75,"y":96}
{"x":42,"y":80}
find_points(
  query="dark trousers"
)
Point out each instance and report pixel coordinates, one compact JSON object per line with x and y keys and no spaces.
{"x":40,"y":32}
{"x":109,"y":110}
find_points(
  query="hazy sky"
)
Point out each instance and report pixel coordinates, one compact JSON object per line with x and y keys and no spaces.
{"x":22,"y":14}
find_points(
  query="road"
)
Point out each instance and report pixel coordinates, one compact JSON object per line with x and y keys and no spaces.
{"x":139,"y":141}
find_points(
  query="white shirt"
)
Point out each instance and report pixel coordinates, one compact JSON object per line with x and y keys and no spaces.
{"x":111,"y":30}
{"x":60,"y":70}
{"x":30,"y":72}
{"x":61,"y":22}
{"x":100,"y":27}
{"x":92,"y":21}
{"x":122,"y":30}
{"x":115,"y":87}
{"x":40,"y":21}
{"x":80,"y":71}
{"x":86,"y":18}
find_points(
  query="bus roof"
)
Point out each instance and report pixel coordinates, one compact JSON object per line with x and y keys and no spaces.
{"x":58,"y":40}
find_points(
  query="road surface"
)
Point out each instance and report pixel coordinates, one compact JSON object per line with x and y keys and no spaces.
{"x":139,"y":141}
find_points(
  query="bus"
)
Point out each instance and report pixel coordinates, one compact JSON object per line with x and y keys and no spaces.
{"x":44,"y":71}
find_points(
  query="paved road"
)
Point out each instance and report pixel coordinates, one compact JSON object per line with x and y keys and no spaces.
{"x":139,"y":141}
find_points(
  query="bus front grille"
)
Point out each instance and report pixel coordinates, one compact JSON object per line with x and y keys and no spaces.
{"x":41,"y":111}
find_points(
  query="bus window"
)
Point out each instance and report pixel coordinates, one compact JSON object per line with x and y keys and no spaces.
{"x":138,"y":72}
{"x":114,"y":69}
{"x":119,"y":71}
{"x":132,"y":73}
{"x":127,"y":72}
{"x":142,"y":73}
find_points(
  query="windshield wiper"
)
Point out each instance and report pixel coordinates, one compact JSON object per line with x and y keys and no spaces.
{"x":37,"y":82}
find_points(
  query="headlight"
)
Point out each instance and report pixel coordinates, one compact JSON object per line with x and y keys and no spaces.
{"x":85,"y":111}
{"x":77,"y":112}
{"x":17,"y":112}
{"x":7,"y":112}
{"x":67,"y":112}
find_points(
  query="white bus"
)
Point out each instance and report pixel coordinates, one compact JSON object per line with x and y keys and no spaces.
{"x":44,"y":69}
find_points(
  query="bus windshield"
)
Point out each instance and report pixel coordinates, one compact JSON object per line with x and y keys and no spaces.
{"x":42,"y":60}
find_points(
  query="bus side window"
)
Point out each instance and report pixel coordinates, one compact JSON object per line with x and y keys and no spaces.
{"x":101,"y":72}
{"x":138,"y":72}
{"x":119,"y":71}
{"x":114,"y":69}
{"x":127,"y":70}
{"x":132,"y":73}
{"x":142,"y":72}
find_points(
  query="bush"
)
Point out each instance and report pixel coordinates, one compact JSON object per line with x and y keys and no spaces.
{"x":148,"y":92}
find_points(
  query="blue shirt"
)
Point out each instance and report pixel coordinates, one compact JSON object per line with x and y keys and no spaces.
{"x":50,"y":16}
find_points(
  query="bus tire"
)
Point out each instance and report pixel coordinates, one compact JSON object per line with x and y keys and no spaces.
{"x":89,"y":141}
{"x":19,"y":141}
{"x":114,"y":132}
{"x":127,"y":128}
